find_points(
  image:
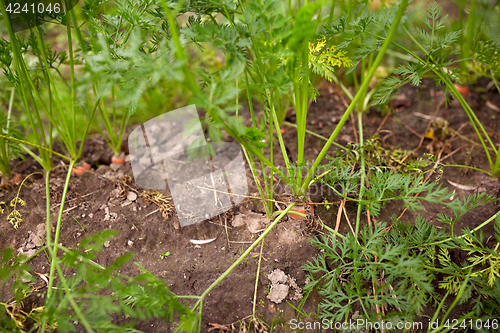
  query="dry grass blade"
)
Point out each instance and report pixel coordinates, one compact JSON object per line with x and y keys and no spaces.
{"x":165,"y":204}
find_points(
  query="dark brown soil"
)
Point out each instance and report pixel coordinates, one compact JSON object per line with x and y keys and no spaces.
{"x":94,"y":201}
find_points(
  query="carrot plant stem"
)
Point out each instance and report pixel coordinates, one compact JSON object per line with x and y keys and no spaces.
{"x":496,"y":215}
{"x":257,"y":279}
{"x":48,"y":241}
{"x":253,"y":170}
{"x":281,"y":142}
{"x":332,"y":12}
{"x":494,"y":166}
{"x":72,"y":76}
{"x":58,"y":228}
{"x":243,"y":256}
{"x":452,"y":306}
{"x":65,"y":132}
{"x":25,"y":91}
{"x":362,"y":172}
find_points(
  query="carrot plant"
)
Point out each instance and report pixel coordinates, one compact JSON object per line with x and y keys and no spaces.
{"x":113,"y":59}
{"x":402,"y":270}
{"x":281,"y":52}
{"x":59,"y":105}
{"x":437,"y":48}
{"x":275,"y":51}
{"x":354,"y":34}
{"x":8,"y":149}
{"x":132,"y":68}
{"x":401,"y":267}
{"x":91,"y":296}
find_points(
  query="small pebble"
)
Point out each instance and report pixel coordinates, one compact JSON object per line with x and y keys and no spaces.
{"x":132,"y":196}
{"x":130,"y":243}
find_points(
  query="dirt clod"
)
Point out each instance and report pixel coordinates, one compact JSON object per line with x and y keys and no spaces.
{"x":255,"y":222}
{"x":277,"y":276}
{"x":115,"y":166}
{"x":278,"y":292}
{"x":238,"y":221}
{"x":279,"y":280}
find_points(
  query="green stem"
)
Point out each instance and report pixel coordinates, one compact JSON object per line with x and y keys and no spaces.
{"x":66,"y":132}
{"x":332,"y":11}
{"x":73,"y":84}
{"x":271,"y":159}
{"x":40,"y":148}
{"x":25,"y":91}
{"x":257,"y":279}
{"x":179,"y":50}
{"x":470,"y":113}
{"x":362,"y":171}
{"x":249,"y":98}
{"x":319,"y":136}
{"x":58,"y":228}
{"x":438,"y":310}
{"x":461,"y":28}
{"x":243,"y":256}
{"x":462,"y":236}
{"x":48,"y":230}
{"x":72,"y":301}
{"x":468,"y":167}
{"x":455,"y":302}
{"x":471,"y":23}
{"x":280,"y":139}
{"x":253,"y":170}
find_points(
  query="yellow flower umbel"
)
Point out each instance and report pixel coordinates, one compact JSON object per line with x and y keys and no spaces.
{"x":323,"y":61}
{"x":15,"y":218}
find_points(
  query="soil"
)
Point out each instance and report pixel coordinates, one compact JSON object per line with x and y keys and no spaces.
{"x":98,"y":202}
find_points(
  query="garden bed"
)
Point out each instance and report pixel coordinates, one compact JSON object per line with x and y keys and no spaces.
{"x":100,"y":199}
{"x":368,"y":139}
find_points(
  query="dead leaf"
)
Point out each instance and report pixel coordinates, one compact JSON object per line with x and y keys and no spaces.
{"x":462,"y":187}
{"x":218,"y":327}
{"x":243,"y":327}
{"x":258,"y":325}
{"x":43,"y":277}
{"x":492,"y":106}
{"x":200,"y":242}
{"x":429,"y":134}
